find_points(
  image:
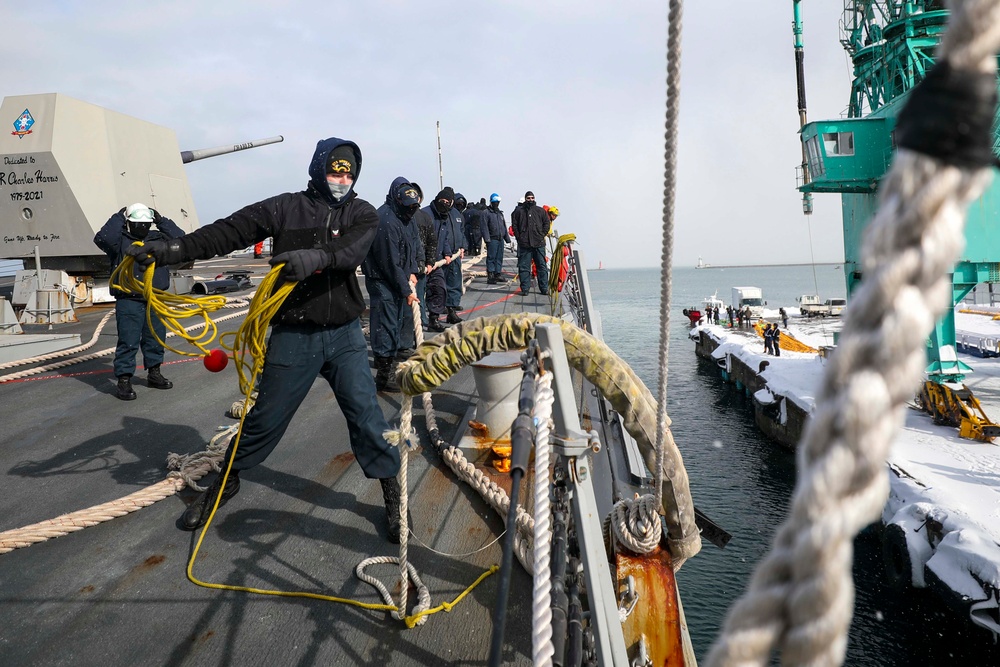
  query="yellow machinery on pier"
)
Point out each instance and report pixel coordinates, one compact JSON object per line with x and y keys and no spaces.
{"x":955,"y":405}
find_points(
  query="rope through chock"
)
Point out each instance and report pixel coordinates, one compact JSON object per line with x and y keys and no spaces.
{"x":466,"y":342}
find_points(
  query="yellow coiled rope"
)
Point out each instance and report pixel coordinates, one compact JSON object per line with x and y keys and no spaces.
{"x":248,"y":347}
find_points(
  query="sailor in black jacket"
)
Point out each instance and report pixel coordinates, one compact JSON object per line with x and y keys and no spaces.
{"x":439,"y":212}
{"x":474,"y":224}
{"x":321,"y":235}
{"x":120,"y":231}
{"x":453,"y":271}
{"x":391,"y":276}
{"x":531,"y":225}
{"x":425,"y":241}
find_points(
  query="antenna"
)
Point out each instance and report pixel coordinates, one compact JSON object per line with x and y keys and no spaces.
{"x":440,"y":167}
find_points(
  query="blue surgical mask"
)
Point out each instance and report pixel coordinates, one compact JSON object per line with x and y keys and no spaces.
{"x":338,"y":190}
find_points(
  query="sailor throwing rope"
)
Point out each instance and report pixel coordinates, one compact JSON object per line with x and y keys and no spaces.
{"x":321,"y":236}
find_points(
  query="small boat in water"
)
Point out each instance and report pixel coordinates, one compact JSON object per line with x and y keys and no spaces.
{"x":693,"y":314}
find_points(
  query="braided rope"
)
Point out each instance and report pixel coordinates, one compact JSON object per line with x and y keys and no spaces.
{"x":194,"y":467}
{"x":541,"y":617}
{"x":423,"y":594}
{"x":405,"y":438}
{"x":62,"y":353}
{"x":635,"y":523}
{"x":801,"y":596}
{"x":467,"y":472}
{"x":669,"y":189}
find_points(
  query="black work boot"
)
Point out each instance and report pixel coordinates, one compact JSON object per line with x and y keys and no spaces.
{"x":197,"y":512}
{"x":390,"y":494}
{"x":125,"y":390}
{"x":433,"y":324}
{"x":385,"y":376}
{"x":453,"y":317}
{"x":156,"y":380}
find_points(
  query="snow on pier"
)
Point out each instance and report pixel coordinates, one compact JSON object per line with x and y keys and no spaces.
{"x":943,"y":511}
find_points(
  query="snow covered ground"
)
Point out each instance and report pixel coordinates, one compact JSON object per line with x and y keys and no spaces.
{"x":933,"y":473}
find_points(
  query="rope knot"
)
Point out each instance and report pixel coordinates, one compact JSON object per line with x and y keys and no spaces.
{"x":636,"y":524}
{"x":396,"y":437}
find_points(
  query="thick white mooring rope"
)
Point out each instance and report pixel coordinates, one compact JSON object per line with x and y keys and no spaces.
{"x":185,"y":471}
{"x":801,"y":597}
{"x":541,"y":616}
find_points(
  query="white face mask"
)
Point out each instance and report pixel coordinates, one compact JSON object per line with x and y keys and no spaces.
{"x":338,"y":190}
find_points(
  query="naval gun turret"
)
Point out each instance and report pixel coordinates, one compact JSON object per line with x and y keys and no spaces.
{"x":67,"y":165}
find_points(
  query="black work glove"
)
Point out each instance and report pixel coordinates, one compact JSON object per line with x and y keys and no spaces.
{"x":157,"y":218}
{"x":300,"y":264}
{"x":163,"y":252}
{"x":122,"y":212}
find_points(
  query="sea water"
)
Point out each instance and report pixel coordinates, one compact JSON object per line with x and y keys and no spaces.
{"x":744,"y":482}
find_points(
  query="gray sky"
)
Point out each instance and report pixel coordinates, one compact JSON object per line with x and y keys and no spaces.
{"x":561,"y":97}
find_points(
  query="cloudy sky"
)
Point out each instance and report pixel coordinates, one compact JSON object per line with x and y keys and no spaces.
{"x":561,"y":97}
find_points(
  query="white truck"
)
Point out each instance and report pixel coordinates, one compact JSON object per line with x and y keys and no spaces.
{"x":749,"y":296}
{"x":836,"y":306}
{"x":810,"y":306}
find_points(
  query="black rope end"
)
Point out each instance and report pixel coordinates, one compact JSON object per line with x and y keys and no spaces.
{"x":949,"y":116}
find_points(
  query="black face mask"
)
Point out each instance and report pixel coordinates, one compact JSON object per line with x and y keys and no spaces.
{"x":441,"y":207}
{"x":138,"y":230}
{"x":460,"y":207}
{"x":406,"y":212}
{"x":494,"y":205}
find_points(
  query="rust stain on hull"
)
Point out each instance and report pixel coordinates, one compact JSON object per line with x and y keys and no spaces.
{"x":656,"y":616}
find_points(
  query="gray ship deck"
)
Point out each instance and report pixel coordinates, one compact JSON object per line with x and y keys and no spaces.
{"x":117,"y":594}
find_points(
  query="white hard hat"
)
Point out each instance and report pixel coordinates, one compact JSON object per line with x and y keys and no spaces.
{"x":138,"y":213}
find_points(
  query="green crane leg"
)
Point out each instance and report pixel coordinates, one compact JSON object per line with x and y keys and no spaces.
{"x":942,"y":357}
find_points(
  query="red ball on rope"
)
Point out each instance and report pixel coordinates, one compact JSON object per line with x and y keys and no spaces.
{"x":216,"y":360}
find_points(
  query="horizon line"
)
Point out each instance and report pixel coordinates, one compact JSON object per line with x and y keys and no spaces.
{"x":722,"y":266}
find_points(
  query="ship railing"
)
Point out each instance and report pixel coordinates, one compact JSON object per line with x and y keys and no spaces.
{"x":572,"y":446}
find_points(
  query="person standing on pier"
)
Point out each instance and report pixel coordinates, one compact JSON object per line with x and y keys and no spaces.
{"x":531,"y":225}
{"x":120,"y":231}
{"x":776,"y":340}
{"x":321,"y":235}
{"x":784,"y":317}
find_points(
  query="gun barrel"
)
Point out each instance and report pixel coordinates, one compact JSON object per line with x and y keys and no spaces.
{"x":202,"y":153}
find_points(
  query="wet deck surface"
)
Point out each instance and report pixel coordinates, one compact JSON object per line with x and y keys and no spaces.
{"x":117,"y":594}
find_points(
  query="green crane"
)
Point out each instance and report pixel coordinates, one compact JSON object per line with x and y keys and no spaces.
{"x":891,"y":45}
